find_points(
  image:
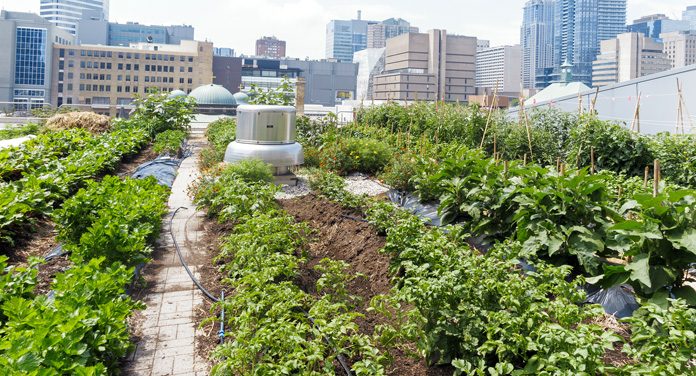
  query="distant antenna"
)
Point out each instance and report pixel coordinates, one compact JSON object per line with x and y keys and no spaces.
{"x":359,"y":15}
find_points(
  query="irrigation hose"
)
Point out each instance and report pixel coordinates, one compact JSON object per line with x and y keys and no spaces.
{"x":221,"y":333}
{"x":183,"y":263}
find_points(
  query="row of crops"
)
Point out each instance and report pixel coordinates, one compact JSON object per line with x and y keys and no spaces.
{"x":592,"y":214}
{"x":106,"y":224}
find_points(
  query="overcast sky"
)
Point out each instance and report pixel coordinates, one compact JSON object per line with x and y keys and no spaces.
{"x":302,"y":23}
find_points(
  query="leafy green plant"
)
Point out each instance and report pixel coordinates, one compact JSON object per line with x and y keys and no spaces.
{"x":116,"y":219}
{"x":158,"y":112}
{"x":355,"y":155}
{"x":281,"y":95}
{"x":169,"y":142}
{"x":83,"y":330}
{"x":21,"y":131}
{"x":220,"y":134}
{"x":332,"y":187}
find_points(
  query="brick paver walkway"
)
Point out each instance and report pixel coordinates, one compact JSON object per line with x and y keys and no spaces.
{"x":168,"y":345}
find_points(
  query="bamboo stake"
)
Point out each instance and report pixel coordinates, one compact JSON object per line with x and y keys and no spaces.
{"x":495,"y":146}
{"x":563,"y":168}
{"x":506,"y":168}
{"x":635,"y":124}
{"x":594,"y":102}
{"x":525,"y":159}
{"x":592,"y":161}
{"x":680,"y":112}
{"x":490,"y":114}
{"x":647,"y":175}
{"x":620,"y":192}
{"x":579,"y":104}
{"x":529,"y":134}
{"x":558,"y":164}
{"x":656,"y":177}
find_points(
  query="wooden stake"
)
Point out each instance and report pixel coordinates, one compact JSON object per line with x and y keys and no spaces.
{"x":525,"y":159}
{"x":656,"y":178}
{"x":647,"y":175}
{"x":506,"y":168}
{"x":495,"y":145}
{"x":635,"y":124}
{"x":558,"y":164}
{"x":529,"y":134}
{"x":620,"y":192}
{"x":579,"y":104}
{"x":592,"y":161}
{"x":563,"y":168}
{"x":594,"y":102}
{"x":680,"y":111}
{"x":490,"y":114}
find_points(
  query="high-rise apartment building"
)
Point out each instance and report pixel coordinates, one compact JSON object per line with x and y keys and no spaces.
{"x":536,"y":39}
{"x":428,"y":66}
{"x":26,"y":42}
{"x":377,"y":34}
{"x":345,"y":37}
{"x":115,"y":34}
{"x":271,"y":47}
{"x":106,"y":76}
{"x":500,"y":67}
{"x":579,"y":27}
{"x":655,"y":24}
{"x":628,"y":56}
{"x":680,"y":48}
{"x":66,"y":14}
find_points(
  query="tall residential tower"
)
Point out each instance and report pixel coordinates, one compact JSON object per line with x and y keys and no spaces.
{"x":536,"y":39}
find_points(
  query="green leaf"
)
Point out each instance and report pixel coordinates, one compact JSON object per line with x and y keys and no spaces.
{"x":640,"y":269}
{"x":685,"y":240}
{"x":688,"y":293}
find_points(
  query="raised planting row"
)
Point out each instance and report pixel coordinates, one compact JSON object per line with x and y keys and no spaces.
{"x":493,"y":314}
{"x":36,"y":194}
{"x":40,"y":152}
{"x":276,"y":327}
{"x":81,"y":328}
{"x":37,"y":177}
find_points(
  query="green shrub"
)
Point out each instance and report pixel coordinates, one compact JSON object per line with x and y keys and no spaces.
{"x":169,"y":142}
{"x":677,"y":155}
{"x":220,"y":134}
{"x":249,"y":170}
{"x":355,"y":155}
{"x":20,"y":131}
{"x":158,"y":112}
{"x":401,"y":169}
{"x":616,"y":148}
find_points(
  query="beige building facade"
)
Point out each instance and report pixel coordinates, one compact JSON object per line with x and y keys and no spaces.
{"x":626,"y":57}
{"x":501,"y":66}
{"x":106,"y":78}
{"x":680,"y":47}
{"x":428,"y":66}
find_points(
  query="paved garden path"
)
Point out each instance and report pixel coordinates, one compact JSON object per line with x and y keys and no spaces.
{"x":168,"y":341}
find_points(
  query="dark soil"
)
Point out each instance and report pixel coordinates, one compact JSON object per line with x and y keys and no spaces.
{"x":130,"y":164}
{"x":357,"y":243}
{"x":211,"y":279}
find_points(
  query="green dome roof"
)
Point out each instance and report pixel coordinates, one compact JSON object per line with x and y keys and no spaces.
{"x":177,"y":93}
{"x":214,"y":95}
{"x":241,"y":98}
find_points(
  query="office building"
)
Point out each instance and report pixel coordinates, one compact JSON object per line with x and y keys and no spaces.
{"x":106,"y":77}
{"x":345,"y":37}
{"x":67,"y":14}
{"x":536,"y":39}
{"x":628,"y":56}
{"x":690,"y":15}
{"x":655,"y":24}
{"x":428,"y":66}
{"x":680,"y":48}
{"x":227,"y":72}
{"x":26,"y":42}
{"x":370,"y":64}
{"x":223,"y":51}
{"x":377,"y":34}
{"x":327,"y":83}
{"x":270,"y":47}
{"x":499,"y":68}
{"x":482,"y":44}
{"x":116,"y":34}
{"x":579,"y":27}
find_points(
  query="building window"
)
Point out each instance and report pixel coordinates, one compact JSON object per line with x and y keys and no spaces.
{"x":136,"y":67}
{"x":30,"y":56}
{"x":70,"y":87}
{"x":190,"y":69}
{"x":120,"y":66}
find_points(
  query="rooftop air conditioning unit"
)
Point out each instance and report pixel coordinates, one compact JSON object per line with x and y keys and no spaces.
{"x":266,"y":133}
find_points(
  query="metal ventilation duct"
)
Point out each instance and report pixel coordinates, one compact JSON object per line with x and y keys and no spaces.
{"x":266,"y":133}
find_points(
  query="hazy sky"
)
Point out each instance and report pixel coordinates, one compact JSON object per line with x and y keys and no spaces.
{"x":302,"y":23}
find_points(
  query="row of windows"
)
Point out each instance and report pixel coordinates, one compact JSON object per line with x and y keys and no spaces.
{"x":125,"y":55}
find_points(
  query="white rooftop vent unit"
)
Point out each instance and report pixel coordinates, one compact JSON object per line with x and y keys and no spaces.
{"x":266,"y":133}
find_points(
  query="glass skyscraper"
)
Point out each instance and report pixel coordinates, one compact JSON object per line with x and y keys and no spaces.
{"x":579,"y":26}
{"x":343,"y":38}
{"x":66,"y":14}
{"x":536,"y":39}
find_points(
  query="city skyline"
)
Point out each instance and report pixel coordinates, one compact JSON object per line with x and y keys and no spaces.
{"x":239,"y":25}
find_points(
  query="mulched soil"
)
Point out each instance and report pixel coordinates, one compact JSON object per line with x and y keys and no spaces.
{"x":357,"y":243}
{"x":211,"y":279}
